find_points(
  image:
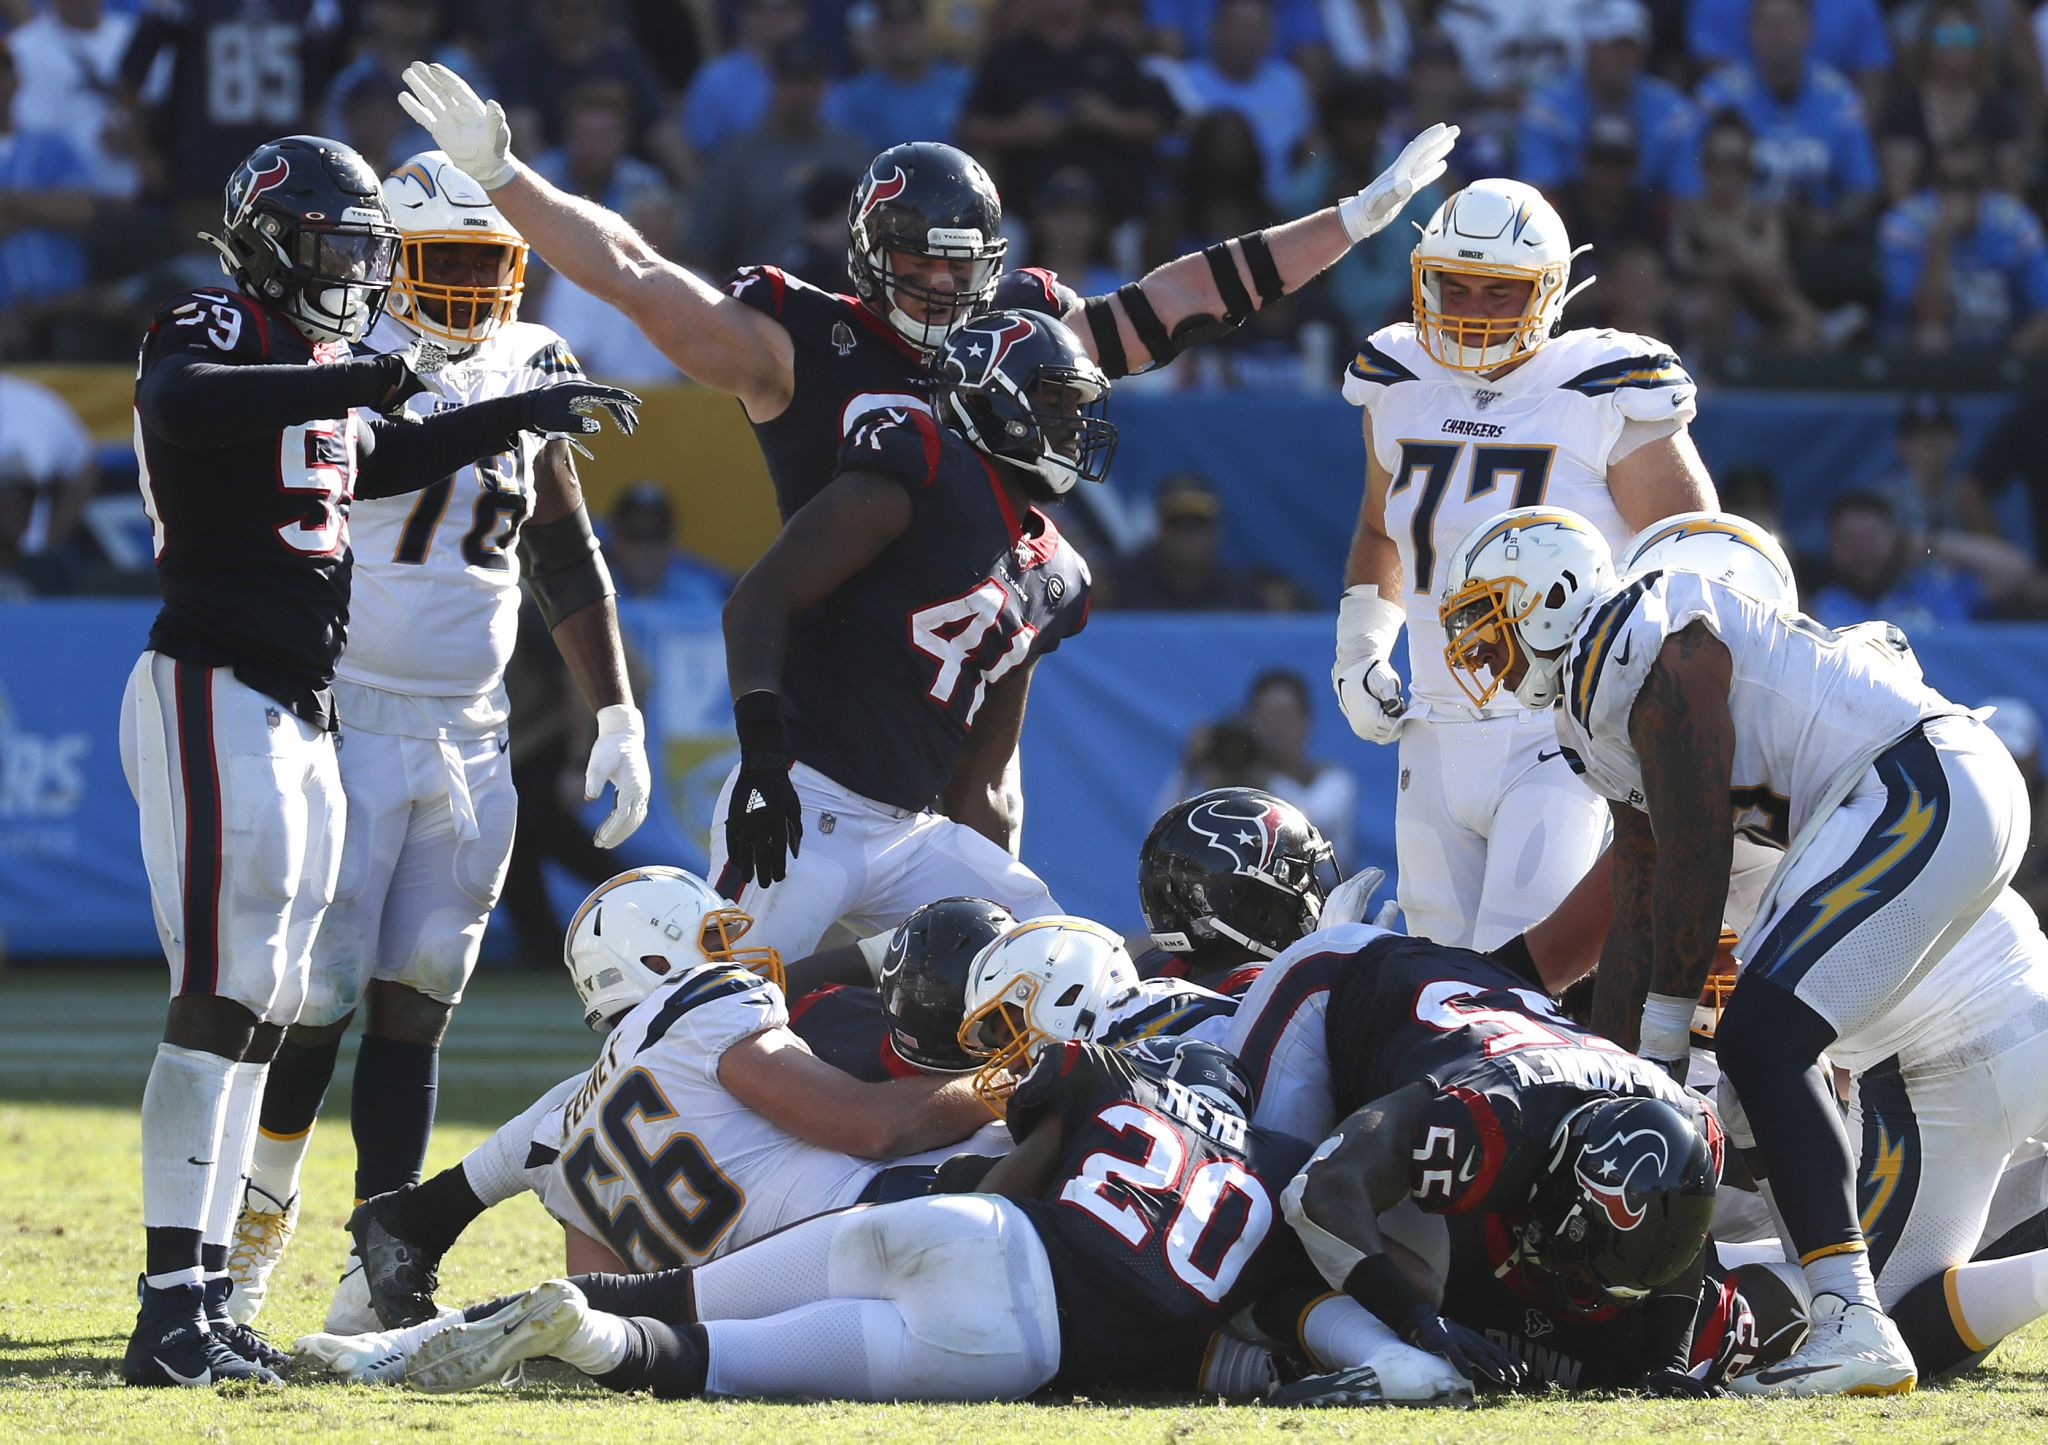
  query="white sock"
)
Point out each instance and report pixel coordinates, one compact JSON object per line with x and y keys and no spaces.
{"x":1998,"y":1296}
{"x":600,"y":1343}
{"x":1846,"y":1274}
{"x":496,"y":1168}
{"x":275,"y":1163}
{"x":237,"y":1134}
{"x":184,"y":1105}
{"x":832,"y":1350}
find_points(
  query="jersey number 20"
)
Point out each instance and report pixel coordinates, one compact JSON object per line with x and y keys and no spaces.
{"x":1224,"y":1215}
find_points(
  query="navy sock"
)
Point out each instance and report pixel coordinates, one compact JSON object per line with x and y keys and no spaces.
{"x":213,"y":1258}
{"x":1928,"y":1326}
{"x":670,"y":1361}
{"x":392,"y":1112}
{"x":297,"y":1084}
{"x":167,"y":1251}
{"x":664,"y":1295}
{"x":434,"y":1215}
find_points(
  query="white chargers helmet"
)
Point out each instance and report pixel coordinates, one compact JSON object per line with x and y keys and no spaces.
{"x":1493,"y":227}
{"x":1526,"y":577}
{"x":1719,"y":545}
{"x":435,"y":206}
{"x":644,"y":927}
{"x":1045,"y":981}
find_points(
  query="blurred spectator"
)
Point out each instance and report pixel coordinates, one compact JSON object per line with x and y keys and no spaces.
{"x":1218,"y":754}
{"x":1070,"y":233}
{"x":1243,"y":73}
{"x":1844,"y":35}
{"x":68,"y":62}
{"x":674,"y":36}
{"x":1511,"y":48}
{"x":2013,"y":459}
{"x":1058,"y":92}
{"x":1279,"y":713}
{"x":1364,"y":37}
{"x":1872,"y":573}
{"x":750,"y":206}
{"x":45,"y":449}
{"x":1729,"y":255}
{"x":1370,"y":286}
{"x":395,"y":34}
{"x":1278,"y":592}
{"x":1635,"y":294}
{"x":728,"y":97}
{"x":565,"y":45}
{"x":1946,"y":519}
{"x":1952,"y":100}
{"x":1965,"y":266}
{"x":2018,"y":726}
{"x":1751,"y":491}
{"x":605,"y":340}
{"x":1604,"y":206}
{"x":1182,"y":570}
{"x":1558,"y":119}
{"x":1438,"y":89}
{"x":365,"y":108}
{"x":46,"y":214}
{"x":22,"y":574}
{"x":2008,"y":32}
{"x":1185,"y":29}
{"x":592,"y":160}
{"x":640,"y":546}
{"x":1812,"y":149}
{"x":906,"y":94}
{"x":820,"y":256}
{"x":240,"y":76}
{"x":1220,"y":190}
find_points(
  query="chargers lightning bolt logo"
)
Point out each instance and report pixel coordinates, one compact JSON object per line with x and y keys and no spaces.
{"x":1907,"y":834}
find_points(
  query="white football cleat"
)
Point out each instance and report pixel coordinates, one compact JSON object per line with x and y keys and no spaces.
{"x":1852,"y":1349}
{"x":538,"y":1323}
{"x":349,"y":1312}
{"x":376,"y":1358}
{"x":262,"y":1230}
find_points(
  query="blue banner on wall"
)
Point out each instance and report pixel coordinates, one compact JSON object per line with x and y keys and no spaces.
{"x":1106,"y":728}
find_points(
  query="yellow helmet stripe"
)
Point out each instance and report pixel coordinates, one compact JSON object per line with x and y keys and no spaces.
{"x":1704,"y":527}
{"x":1523,"y":523}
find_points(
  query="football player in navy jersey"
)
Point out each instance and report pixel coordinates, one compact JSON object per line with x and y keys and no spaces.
{"x":880,"y":650}
{"x":249,"y":452}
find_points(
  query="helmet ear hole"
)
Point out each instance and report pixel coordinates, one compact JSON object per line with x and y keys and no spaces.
{"x":1069,"y":998}
{"x":655,"y":963}
{"x":1558,"y":595}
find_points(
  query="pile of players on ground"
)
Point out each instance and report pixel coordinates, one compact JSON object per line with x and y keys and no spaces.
{"x":1501,"y":1198}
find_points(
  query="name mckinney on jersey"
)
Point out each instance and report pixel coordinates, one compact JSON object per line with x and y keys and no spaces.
{"x":1459,"y":427}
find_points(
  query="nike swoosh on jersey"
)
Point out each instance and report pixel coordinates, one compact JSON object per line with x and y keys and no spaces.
{"x":1621,"y":657}
{"x":204,"y":1377}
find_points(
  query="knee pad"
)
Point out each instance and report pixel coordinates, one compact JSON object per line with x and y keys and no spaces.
{"x":1766,"y":1026}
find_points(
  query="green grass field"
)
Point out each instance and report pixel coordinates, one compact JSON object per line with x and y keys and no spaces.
{"x":74,"y":1049}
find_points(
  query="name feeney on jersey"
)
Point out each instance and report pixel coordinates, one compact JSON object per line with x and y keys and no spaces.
{"x":1805,"y":701}
{"x":1162,"y":1219}
{"x":653,"y":1157}
{"x":847,"y":362}
{"x":1460,"y":447}
{"x":436,"y":606}
{"x":252,"y":543}
{"x":884,"y":677}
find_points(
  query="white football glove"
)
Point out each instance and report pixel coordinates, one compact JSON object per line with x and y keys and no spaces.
{"x":1349,"y":900}
{"x":1368,"y":690}
{"x":1421,"y":161}
{"x":619,"y":757}
{"x":474,"y":132}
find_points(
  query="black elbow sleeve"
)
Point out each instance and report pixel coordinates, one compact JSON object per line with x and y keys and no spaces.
{"x":564,"y":566}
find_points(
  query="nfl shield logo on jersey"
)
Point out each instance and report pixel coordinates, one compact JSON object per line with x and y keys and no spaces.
{"x":842,"y":338}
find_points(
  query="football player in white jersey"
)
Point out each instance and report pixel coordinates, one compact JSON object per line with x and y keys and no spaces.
{"x":1477,"y":404}
{"x":1937,"y":1121}
{"x":1899,"y":812}
{"x":422,"y":743}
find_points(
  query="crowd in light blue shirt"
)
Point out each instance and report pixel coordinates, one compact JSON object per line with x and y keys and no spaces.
{"x":1998,"y":271}
{"x":1847,"y":34}
{"x":1814,"y":147}
{"x":1555,"y":121}
{"x":40,"y":262}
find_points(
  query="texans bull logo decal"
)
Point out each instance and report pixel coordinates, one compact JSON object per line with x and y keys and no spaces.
{"x":887,"y":189}
{"x":267,"y":179}
{"x":1607,"y":1182}
{"x":987,"y":342}
{"x":1248,"y":833}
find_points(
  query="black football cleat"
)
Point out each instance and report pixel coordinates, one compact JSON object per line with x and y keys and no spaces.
{"x":402,"y":1275}
{"x":172,"y":1346}
{"x":245,"y":1341}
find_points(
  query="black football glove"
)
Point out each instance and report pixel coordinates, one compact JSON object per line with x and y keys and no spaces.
{"x":1470,"y":1353}
{"x":1672,"y":1383}
{"x":571,"y":409}
{"x":764,"y":821}
{"x":404,"y":376}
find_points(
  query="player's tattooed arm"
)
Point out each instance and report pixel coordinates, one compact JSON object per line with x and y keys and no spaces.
{"x":976,"y":794}
{"x":1624,"y":974}
{"x":831,"y":537}
{"x":1684,"y":736}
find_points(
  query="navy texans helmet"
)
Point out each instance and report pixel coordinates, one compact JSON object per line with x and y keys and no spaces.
{"x":1233,"y":871}
{"x":1203,"y":1069}
{"x":304,"y":227}
{"x":1626,"y":1199}
{"x":924,"y":200}
{"x":1023,"y":390}
{"x":924,"y":979}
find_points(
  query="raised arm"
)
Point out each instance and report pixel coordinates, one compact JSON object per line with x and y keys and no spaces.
{"x":1685,"y":737}
{"x":1206,"y":294}
{"x":712,"y":338}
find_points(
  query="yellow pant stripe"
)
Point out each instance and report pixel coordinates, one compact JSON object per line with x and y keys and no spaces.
{"x":1955,"y":1313}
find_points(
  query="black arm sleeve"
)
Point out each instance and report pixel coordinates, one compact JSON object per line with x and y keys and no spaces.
{"x":403,"y":456}
{"x":202,"y":404}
